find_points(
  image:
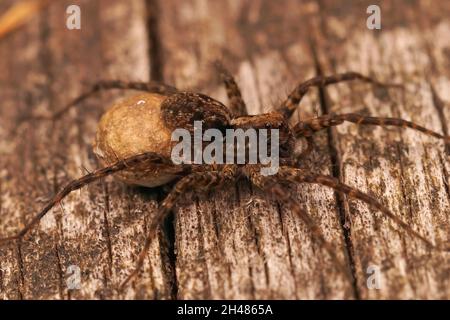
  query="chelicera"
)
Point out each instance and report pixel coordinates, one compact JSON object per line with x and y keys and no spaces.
{"x":133,"y":141}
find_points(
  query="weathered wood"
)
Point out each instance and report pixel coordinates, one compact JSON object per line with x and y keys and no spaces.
{"x":102,"y":227}
{"x":239,"y":244}
{"x":406,"y":170}
{"x":236,"y":243}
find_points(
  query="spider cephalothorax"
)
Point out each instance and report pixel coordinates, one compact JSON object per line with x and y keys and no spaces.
{"x":271,"y":120}
{"x":134,"y":143}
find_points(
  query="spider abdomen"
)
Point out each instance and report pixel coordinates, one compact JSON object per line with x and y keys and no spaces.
{"x":145,"y":122}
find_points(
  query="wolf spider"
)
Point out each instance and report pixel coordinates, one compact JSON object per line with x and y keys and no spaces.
{"x":177,"y":109}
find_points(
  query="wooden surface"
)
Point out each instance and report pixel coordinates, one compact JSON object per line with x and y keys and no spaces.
{"x":234,"y":243}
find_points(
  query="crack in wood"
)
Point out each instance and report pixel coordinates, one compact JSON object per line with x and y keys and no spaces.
{"x":21,"y":279}
{"x":173,"y":43}
{"x":336,"y":165}
{"x":154,"y":39}
{"x":439,"y":106}
{"x":60,"y":273}
{"x":106,"y":225}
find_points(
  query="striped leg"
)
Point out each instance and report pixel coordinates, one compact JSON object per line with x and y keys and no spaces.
{"x":237,"y":104}
{"x":153,"y":87}
{"x":308,"y":127}
{"x":145,"y":159}
{"x":197,"y":181}
{"x":288,"y":107}
{"x":309,"y":148}
{"x":271,"y":184}
{"x":301,"y":176}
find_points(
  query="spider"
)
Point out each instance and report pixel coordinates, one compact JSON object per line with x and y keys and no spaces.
{"x":133,"y":142}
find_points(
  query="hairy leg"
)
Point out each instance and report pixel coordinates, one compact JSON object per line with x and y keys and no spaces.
{"x":308,"y":127}
{"x":300,"y":176}
{"x":309,"y":148}
{"x":271,"y":185}
{"x":288,"y":107}
{"x":153,"y":87}
{"x":237,"y":104}
{"x":148,"y":158}
{"x":196,"y":181}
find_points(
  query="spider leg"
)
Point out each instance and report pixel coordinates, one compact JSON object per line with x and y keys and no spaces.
{"x":149,"y":158}
{"x":237,"y":104}
{"x":301,"y":176}
{"x":288,"y":107}
{"x":272,"y":187}
{"x":309,"y":148}
{"x":309,"y":127}
{"x":102,"y":85}
{"x":196,"y":181}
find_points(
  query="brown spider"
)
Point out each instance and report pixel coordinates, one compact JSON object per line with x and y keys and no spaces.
{"x":134,"y":142}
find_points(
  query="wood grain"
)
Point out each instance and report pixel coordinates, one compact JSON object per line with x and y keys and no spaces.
{"x":239,"y":243}
{"x":236,"y":243}
{"x":102,"y":227}
{"x":406,"y":170}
